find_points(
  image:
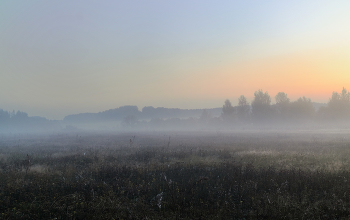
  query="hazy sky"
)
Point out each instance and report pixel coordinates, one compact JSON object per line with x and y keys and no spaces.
{"x":66,"y":57}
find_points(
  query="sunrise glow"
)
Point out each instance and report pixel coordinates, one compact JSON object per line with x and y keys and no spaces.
{"x":60,"y":57}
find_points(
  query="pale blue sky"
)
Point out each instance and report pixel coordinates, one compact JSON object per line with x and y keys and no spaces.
{"x":65,"y":57}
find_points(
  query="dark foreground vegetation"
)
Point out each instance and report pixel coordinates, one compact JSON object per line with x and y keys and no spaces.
{"x":194,"y":176}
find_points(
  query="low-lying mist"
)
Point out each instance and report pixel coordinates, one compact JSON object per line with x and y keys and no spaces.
{"x":301,"y":114}
{"x":251,"y":174}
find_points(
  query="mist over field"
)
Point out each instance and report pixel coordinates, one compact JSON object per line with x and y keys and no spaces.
{"x":251,"y":161}
{"x":157,"y":175}
{"x":284,"y":114}
{"x":174,"y":109}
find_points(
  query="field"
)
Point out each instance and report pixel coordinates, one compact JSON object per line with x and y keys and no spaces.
{"x":174,"y":175}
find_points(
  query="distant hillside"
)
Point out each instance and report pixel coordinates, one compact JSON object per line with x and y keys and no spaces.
{"x":147,"y":113}
{"x":21,"y":122}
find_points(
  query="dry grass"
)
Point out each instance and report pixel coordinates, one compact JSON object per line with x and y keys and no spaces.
{"x":246,"y":175}
{"x":39,"y":169}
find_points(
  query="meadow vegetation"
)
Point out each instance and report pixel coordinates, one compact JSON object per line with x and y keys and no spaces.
{"x":213,"y":175}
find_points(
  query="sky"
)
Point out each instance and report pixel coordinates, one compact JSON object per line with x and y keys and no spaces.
{"x":66,"y":57}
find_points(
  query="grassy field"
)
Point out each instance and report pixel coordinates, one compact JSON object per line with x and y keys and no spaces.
{"x":217,"y":175}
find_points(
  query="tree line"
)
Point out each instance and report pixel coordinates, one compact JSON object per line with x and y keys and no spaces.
{"x":285,"y":111}
{"x":21,"y":122}
{"x":260,"y":112}
{"x":300,"y":113}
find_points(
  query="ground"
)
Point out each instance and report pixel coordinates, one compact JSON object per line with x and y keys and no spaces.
{"x":192,"y":175}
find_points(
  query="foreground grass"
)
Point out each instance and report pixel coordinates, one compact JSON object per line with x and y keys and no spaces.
{"x":222,"y":177}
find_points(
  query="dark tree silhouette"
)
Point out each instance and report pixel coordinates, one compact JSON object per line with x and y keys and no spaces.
{"x":302,"y":109}
{"x":4,"y":119}
{"x":243,"y":109}
{"x":282,"y":105}
{"x":227,"y":111}
{"x":339,"y":105}
{"x":261,"y":109}
{"x":282,"y":98}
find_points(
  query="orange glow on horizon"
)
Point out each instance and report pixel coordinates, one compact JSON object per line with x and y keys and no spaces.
{"x":314,"y":74}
